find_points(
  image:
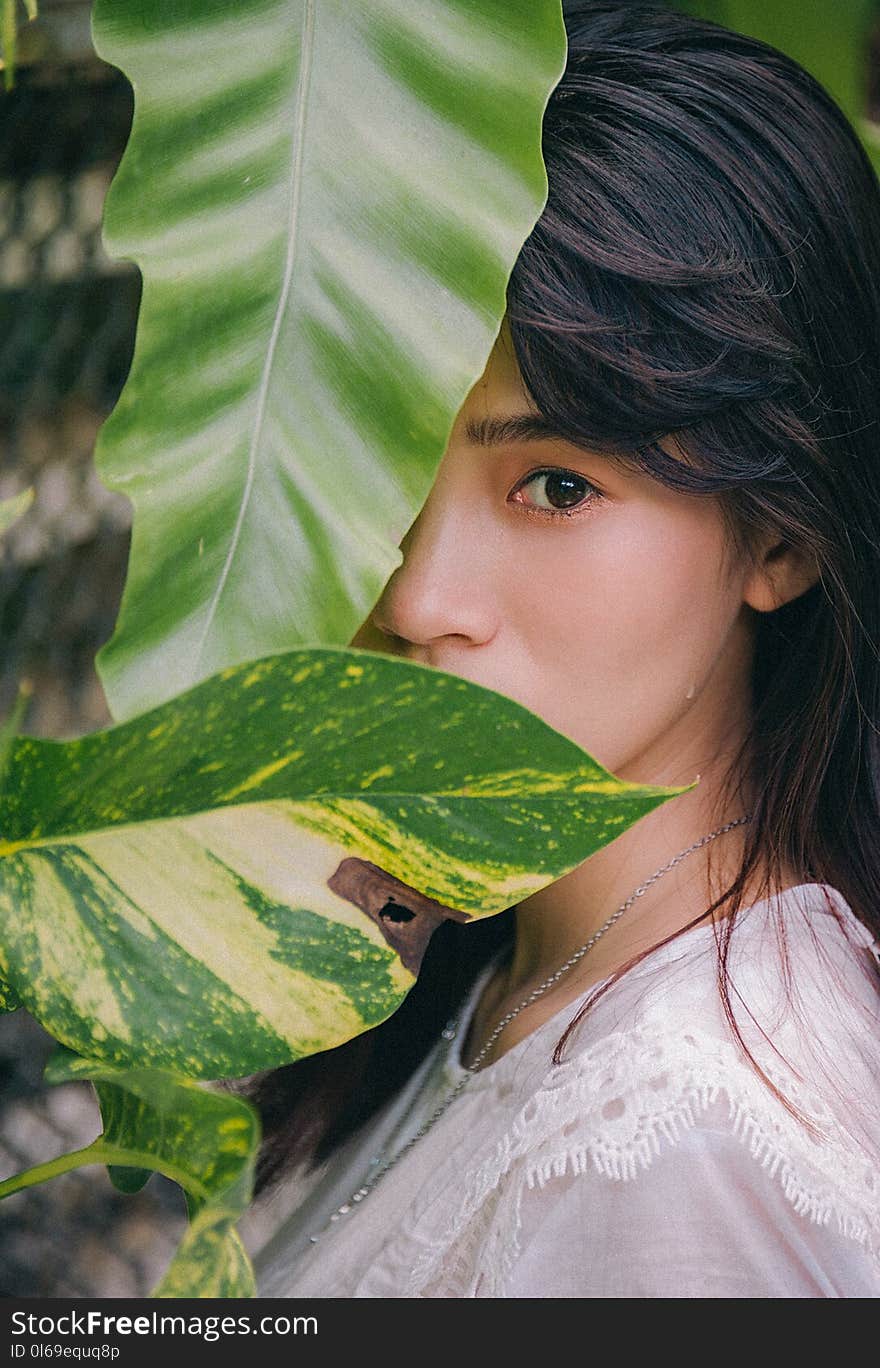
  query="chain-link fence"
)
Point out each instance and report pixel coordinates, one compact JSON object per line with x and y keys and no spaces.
{"x":67,"y":320}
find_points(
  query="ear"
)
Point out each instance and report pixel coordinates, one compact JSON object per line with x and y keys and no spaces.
{"x":782,"y":574}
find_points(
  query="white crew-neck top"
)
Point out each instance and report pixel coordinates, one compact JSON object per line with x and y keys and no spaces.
{"x":654,"y":1161}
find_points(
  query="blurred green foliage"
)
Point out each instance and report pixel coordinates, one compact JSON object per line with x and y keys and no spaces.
{"x":8,"y":35}
{"x":830,"y":40}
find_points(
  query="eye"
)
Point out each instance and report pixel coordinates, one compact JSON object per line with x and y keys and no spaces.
{"x":555,"y":492}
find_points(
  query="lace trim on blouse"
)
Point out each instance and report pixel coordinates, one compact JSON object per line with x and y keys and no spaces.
{"x":612,"y":1108}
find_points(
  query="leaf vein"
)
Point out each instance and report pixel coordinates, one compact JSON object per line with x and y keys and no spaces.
{"x":296,"y":177}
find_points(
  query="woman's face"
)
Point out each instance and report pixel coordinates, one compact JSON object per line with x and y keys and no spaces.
{"x":598,"y":598}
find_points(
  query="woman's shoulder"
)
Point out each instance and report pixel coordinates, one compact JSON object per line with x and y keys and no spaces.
{"x":663,"y":1067}
{"x":798,"y":969}
{"x":656,"y":1115}
{"x":792,"y":1024}
{"x":801,"y":999}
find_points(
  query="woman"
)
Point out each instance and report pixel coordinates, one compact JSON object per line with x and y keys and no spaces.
{"x":657,"y":525}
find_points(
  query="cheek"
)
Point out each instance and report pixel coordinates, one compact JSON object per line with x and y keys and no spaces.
{"x":661,"y":596}
{"x":622,"y":618}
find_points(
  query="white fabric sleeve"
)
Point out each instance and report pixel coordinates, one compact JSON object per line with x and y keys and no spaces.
{"x":704,"y":1219}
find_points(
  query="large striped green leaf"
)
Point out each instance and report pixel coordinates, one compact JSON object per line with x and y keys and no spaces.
{"x":250,"y":873}
{"x":205,"y":1140}
{"x":325,"y":200}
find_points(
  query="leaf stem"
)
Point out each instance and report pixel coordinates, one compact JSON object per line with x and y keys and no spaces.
{"x":10,"y":725}
{"x":99,"y":1152}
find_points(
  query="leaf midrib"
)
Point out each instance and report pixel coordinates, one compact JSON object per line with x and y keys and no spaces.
{"x":296,"y":178}
{"x":71,"y":837}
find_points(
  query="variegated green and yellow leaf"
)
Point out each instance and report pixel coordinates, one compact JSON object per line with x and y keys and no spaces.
{"x":325,"y":200}
{"x":203,"y":1138}
{"x":250,"y":873}
{"x":211,"y":1260}
{"x":9,"y":1000}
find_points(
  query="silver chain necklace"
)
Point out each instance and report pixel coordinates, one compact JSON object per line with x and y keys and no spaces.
{"x":450,"y":1030}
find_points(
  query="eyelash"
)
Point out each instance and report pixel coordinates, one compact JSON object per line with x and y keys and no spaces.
{"x":543,"y":513}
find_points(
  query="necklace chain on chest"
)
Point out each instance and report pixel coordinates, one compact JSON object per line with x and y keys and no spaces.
{"x":450,"y":1031}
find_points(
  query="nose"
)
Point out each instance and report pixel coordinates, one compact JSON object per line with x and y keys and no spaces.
{"x":444,"y":586}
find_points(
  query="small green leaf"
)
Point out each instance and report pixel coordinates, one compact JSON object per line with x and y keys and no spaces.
{"x":211,"y":1260}
{"x":128,"y":1180}
{"x":204,"y":1139}
{"x":13,"y":508}
{"x":9,"y":36}
{"x":10,"y":726}
{"x":9,"y":1000}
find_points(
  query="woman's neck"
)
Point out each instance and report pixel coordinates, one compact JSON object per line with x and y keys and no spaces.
{"x":556,"y":921}
{"x":552,"y":924}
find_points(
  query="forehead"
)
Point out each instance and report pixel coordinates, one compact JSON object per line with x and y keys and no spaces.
{"x":498,"y":409}
{"x":500,"y":390}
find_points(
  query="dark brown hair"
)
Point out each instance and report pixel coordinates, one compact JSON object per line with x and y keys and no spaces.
{"x":707,"y":265}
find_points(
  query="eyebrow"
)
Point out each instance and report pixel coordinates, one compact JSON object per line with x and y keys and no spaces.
{"x":510,"y":427}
